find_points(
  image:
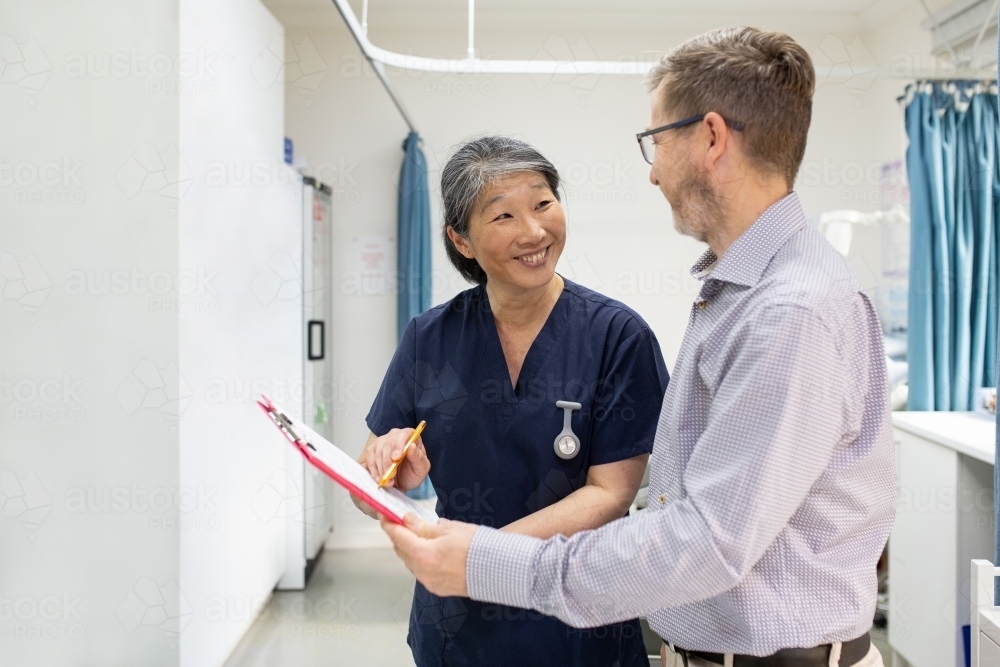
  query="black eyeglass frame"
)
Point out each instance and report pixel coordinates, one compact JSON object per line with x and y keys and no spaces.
{"x":735,"y":124}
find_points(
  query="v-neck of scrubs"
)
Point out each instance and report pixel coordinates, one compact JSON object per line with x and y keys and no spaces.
{"x":539,"y":350}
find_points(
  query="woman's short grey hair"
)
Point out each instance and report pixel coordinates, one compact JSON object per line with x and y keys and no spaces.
{"x":473,"y":167}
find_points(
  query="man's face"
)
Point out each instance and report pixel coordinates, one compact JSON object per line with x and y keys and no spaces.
{"x":687,"y":187}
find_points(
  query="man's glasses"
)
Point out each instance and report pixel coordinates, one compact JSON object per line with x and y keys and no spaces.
{"x":648,"y":146}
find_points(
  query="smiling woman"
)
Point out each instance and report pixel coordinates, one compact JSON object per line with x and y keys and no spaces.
{"x":540,"y":398}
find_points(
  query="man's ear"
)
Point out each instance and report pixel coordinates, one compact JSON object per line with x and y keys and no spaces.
{"x":461,"y":243}
{"x":720,"y":137}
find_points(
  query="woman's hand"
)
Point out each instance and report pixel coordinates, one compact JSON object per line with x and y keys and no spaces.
{"x":364,"y":507}
{"x":380,"y":453}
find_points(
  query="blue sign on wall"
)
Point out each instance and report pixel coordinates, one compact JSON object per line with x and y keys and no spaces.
{"x":288,"y":151}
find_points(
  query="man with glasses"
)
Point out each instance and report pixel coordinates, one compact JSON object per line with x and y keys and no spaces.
{"x":771,"y":491}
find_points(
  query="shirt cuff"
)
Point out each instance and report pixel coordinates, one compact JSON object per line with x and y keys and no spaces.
{"x":500,"y":567}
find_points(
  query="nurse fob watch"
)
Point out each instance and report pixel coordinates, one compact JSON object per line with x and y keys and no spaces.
{"x":567,"y":445}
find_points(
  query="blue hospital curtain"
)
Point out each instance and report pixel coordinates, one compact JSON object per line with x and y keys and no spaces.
{"x":414,"y":234}
{"x":414,"y":250}
{"x":996,"y":455}
{"x":952,"y":166}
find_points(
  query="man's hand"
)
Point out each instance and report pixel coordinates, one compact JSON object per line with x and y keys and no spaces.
{"x":435,"y":553}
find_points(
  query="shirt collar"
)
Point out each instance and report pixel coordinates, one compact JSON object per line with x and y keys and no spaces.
{"x":747,"y":258}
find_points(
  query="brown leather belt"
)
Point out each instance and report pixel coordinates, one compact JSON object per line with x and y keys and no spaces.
{"x":819,"y":656}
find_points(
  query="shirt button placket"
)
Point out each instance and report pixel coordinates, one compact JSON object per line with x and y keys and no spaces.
{"x":707,"y":291}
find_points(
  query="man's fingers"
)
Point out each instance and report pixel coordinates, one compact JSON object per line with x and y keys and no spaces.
{"x":435,"y":553}
{"x":393,"y":530}
{"x":427,"y":531}
{"x":403,"y":539}
{"x":389,"y":527}
{"x":413,"y":522}
{"x":415,"y":526}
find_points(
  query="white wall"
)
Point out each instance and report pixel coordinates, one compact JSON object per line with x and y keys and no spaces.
{"x":147,"y":293}
{"x":140,"y":487}
{"x":621,"y":239}
{"x":85,"y":446}
{"x":240,"y":218}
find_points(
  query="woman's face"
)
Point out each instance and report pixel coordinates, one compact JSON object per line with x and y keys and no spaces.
{"x":517,"y":231}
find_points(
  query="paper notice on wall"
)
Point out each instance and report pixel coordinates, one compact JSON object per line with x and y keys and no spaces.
{"x":374,"y":259}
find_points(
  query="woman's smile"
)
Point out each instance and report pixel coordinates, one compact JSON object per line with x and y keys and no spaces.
{"x":535,"y":258}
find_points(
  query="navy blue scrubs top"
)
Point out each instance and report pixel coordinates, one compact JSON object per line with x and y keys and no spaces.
{"x":492,"y":456}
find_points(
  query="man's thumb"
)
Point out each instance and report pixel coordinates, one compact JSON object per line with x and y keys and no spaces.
{"x":421,"y":527}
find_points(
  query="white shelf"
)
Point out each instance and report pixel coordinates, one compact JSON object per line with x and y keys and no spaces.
{"x":968,"y":433}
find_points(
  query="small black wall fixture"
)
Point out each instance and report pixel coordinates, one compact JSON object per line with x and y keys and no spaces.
{"x":316,"y":356}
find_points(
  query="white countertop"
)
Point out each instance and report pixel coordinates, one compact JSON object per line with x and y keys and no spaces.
{"x":968,"y":433}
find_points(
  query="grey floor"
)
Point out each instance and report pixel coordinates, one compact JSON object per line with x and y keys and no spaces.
{"x":353,"y":612}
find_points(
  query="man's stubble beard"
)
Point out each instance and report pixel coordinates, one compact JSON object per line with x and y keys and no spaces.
{"x":696,"y":206}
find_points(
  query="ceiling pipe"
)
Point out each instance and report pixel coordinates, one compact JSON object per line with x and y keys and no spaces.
{"x":473,"y":65}
{"x":379,"y":58}
{"x":360,"y":36}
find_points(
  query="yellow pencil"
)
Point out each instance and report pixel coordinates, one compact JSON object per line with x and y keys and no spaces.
{"x":392,"y":469}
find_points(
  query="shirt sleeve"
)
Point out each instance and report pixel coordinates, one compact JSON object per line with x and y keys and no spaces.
{"x":627,"y":404}
{"x":777,"y":417}
{"x":395,"y":404}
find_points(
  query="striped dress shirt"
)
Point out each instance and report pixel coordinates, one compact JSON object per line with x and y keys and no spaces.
{"x":772,"y":488}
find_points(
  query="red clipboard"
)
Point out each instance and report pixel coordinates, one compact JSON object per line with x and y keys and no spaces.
{"x":341,"y":468}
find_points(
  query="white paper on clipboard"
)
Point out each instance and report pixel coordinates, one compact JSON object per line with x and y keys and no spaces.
{"x":341,"y":468}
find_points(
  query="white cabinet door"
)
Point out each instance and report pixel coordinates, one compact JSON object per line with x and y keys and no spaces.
{"x":923,"y":555}
{"x":989,"y":652}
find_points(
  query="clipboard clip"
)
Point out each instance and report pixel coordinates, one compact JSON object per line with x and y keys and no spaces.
{"x":283,"y":422}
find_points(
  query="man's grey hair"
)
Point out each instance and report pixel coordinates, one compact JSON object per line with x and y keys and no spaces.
{"x":473,"y":167}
